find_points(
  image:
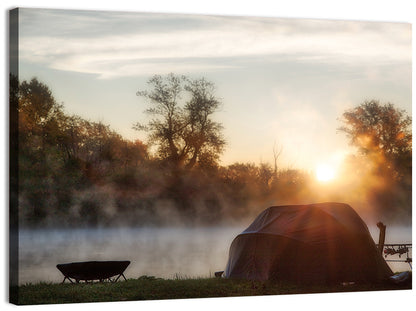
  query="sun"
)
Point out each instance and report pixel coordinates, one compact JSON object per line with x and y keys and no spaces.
{"x":324,"y":173}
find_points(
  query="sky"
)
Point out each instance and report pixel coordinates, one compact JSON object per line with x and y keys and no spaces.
{"x":283,"y":83}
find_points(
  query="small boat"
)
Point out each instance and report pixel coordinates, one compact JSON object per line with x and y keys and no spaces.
{"x":93,"y":270}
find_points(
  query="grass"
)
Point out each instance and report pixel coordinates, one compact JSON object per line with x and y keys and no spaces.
{"x":151,"y":288}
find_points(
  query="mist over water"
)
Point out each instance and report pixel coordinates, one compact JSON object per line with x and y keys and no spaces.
{"x":161,"y":252}
{"x":166,"y":252}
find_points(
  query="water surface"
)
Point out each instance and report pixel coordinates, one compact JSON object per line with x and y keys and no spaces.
{"x":160,"y":252}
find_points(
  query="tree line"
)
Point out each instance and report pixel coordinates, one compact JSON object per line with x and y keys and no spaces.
{"x":76,"y":172}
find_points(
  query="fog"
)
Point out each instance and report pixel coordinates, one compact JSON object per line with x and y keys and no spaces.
{"x":167,"y":252}
{"x":160,"y":252}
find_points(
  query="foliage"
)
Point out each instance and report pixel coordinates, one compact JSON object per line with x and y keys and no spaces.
{"x":60,"y":154}
{"x":75,"y":172}
{"x":381,"y":132}
{"x":184,"y":131}
{"x":383,"y":136}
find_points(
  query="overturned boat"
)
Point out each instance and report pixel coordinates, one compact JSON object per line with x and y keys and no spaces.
{"x":93,"y":271}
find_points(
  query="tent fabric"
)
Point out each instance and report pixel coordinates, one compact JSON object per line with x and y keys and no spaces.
{"x":316,"y":243}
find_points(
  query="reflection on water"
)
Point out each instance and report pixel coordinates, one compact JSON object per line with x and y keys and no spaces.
{"x":161,"y":252}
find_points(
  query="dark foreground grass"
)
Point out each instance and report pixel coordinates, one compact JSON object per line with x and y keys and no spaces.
{"x":150,"y":288}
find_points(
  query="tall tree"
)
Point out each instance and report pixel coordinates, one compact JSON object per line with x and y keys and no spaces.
{"x":383,"y":133}
{"x":39,"y":118}
{"x":182,"y":124}
{"x":383,"y":136}
{"x":39,"y":113}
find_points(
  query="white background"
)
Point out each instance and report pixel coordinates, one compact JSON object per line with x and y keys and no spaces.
{"x":373,"y":10}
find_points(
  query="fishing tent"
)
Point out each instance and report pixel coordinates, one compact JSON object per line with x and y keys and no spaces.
{"x":316,"y":243}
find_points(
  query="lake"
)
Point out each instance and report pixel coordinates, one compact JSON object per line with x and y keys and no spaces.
{"x":161,"y":252}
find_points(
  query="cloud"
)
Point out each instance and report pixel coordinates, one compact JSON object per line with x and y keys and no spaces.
{"x":126,"y":44}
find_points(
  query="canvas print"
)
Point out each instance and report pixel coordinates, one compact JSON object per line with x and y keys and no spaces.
{"x":171,"y":156}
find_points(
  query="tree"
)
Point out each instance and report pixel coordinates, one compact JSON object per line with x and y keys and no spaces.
{"x":382,"y":133}
{"x":383,"y":136}
{"x":183,"y":129}
{"x":39,"y":120}
{"x":59,"y":156}
{"x":39,"y":114}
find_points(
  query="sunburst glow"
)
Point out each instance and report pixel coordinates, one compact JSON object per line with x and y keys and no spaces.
{"x":325,"y":173}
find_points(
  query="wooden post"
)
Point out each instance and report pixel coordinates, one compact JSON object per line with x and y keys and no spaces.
{"x":381,"y":237}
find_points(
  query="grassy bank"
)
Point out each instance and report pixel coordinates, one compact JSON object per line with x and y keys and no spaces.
{"x":150,"y":288}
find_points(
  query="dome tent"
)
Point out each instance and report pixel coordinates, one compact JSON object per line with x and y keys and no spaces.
{"x":316,"y":243}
